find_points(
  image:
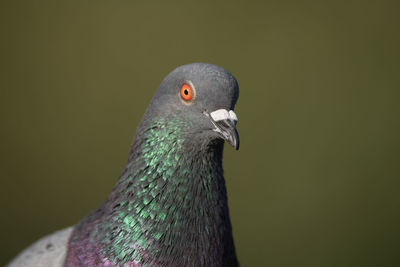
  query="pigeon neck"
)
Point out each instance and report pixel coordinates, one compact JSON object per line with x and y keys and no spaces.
{"x":170,"y":203}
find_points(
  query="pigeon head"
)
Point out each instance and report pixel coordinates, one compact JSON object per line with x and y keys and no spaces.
{"x":201,"y":96}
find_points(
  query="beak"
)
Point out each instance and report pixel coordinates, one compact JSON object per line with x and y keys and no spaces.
{"x":225,"y":125}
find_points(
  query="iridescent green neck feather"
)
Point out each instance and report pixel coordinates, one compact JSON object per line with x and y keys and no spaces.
{"x":169,"y":207}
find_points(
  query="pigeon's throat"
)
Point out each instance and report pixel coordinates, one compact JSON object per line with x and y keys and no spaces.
{"x":166,"y":195}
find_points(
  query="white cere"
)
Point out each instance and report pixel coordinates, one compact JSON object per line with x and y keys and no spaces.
{"x":223,"y":114}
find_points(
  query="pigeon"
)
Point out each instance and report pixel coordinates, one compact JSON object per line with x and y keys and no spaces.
{"x":169,"y":206}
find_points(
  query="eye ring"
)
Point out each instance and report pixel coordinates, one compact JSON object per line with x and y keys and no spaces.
{"x":187,"y":92}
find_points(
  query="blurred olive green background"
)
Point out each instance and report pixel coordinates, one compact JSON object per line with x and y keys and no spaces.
{"x":316,"y":181}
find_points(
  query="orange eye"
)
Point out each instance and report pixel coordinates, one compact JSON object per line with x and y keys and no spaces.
{"x":186,"y":92}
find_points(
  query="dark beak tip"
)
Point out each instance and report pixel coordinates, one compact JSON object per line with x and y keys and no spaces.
{"x":233,"y":139}
{"x":234,"y":143}
{"x":237,"y":146}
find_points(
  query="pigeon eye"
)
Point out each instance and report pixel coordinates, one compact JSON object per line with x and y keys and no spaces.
{"x":186,"y":92}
